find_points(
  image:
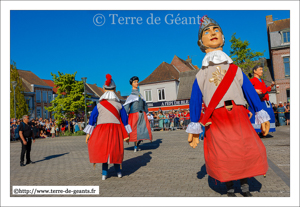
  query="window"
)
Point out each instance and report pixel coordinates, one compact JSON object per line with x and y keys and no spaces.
{"x":148,"y":95}
{"x":49,"y":96}
{"x":288,"y":94}
{"x":44,"y":96}
{"x":286,"y":62}
{"x":161,"y":94}
{"x":38,"y":112}
{"x":45,"y":113}
{"x":38,"y":96}
{"x":286,"y":37}
{"x":27,"y":102}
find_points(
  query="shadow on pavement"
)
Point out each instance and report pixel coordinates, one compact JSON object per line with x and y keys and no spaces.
{"x":217,"y":186}
{"x":133,"y":164}
{"x":268,"y":136}
{"x":146,"y":146}
{"x":51,"y":157}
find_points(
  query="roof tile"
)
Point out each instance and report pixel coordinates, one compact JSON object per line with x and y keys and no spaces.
{"x":163,"y":72}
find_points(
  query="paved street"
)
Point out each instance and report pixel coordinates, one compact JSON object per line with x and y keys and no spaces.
{"x":166,"y":167}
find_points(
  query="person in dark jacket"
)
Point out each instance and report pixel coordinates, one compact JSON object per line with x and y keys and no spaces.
{"x":26,"y":133}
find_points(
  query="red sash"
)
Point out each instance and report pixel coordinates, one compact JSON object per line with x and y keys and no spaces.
{"x":219,"y":94}
{"x":115,"y":112}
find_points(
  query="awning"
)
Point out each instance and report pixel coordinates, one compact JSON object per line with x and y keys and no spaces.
{"x":168,"y":108}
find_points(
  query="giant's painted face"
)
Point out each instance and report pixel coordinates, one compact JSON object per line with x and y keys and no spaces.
{"x":135,"y":83}
{"x":259,"y":71}
{"x":212,"y":37}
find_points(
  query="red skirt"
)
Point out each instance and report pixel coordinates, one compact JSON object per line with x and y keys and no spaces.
{"x":135,"y":123}
{"x":106,"y":144}
{"x":232,"y":148}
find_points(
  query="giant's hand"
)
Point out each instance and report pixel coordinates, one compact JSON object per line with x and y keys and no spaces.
{"x":258,"y":91}
{"x":193,"y":140}
{"x":87,"y":138}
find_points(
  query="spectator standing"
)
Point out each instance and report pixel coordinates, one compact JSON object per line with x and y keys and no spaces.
{"x":167,"y":121}
{"x":12,"y":131}
{"x":36,"y":129}
{"x":287,"y":114}
{"x":187,"y":118}
{"x":281,"y":114}
{"x":57,"y":129}
{"x":171,"y":118}
{"x":52,"y":130}
{"x":150,"y":118}
{"x":161,"y":121}
{"x":276,"y":115}
{"x":176,"y":120}
{"x":17,"y":136}
{"x":63,"y":128}
{"x":83,"y":124}
{"x":26,"y":133}
{"x":76,"y":127}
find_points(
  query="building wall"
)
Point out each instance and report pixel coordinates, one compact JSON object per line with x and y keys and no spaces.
{"x":279,"y":73}
{"x":276,"y":40}
{"x":41,"y":105}
{"x":170,"y":87}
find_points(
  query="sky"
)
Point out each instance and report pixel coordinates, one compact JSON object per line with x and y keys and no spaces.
{"x":45,"y":41}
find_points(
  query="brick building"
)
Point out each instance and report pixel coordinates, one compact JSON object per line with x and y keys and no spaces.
{"x":38,"y":94}
{"x":279,"y":49}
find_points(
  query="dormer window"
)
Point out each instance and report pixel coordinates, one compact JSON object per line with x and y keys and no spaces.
{"x":285,"y":36}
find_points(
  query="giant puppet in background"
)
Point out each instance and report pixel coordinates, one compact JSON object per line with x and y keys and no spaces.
{"x":137,"y":109}
{"x":105,"y":145}
{"x":232,"y":148}
{"x":262,"y":90}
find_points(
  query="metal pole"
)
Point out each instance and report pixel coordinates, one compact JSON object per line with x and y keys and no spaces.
{"x":15,"y":101}
{"x":85,"y":115}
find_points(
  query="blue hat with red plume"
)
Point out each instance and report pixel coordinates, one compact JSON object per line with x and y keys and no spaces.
{"x":109,"y":83}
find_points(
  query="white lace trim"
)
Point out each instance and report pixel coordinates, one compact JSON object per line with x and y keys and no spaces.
{"x":89,"y":129}
{"x":109,"y":95}
{"x":194,"y":128}
{"x":128,"y":128}
{"x":132,"y":98}
{"x":261,"y":117}
{"x":216,"y":57}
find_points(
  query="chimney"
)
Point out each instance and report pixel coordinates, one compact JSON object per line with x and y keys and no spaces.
{"x":269,"y":20}
{"x":189,"y":60}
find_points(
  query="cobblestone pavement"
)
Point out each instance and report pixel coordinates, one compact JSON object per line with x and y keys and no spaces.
{"x":166,"y":167}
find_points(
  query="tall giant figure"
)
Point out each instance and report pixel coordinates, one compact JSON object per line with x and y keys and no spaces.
{"x":105,"y":145}
{"x":137,"y":109}
{"x":262,"y":90}
{"x":232,"y":148}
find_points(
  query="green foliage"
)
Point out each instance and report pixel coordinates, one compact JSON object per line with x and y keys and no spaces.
{"x":68,"y":133}
{"x":79,"y":133}
{"x":21,"y":106}
{"x":70,"y":98}
{"x":243,"y":56}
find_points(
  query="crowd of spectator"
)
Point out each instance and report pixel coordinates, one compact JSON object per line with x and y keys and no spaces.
{"x":285,"y":107}
{"x":169,"y":120}
{"x":45,"y":128}
{"x":159,"y":120}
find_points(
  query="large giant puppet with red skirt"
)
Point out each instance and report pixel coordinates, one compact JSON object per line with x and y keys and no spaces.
{"x":137,"y":109}
{"x":105,"y":141}
{"x":232,"y":148}
{"x":262,"y":90}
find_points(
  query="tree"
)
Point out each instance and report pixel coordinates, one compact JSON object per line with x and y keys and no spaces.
{"x":70,"y":98}
{"x":243,"y":56}
{"x":21,"y":105}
